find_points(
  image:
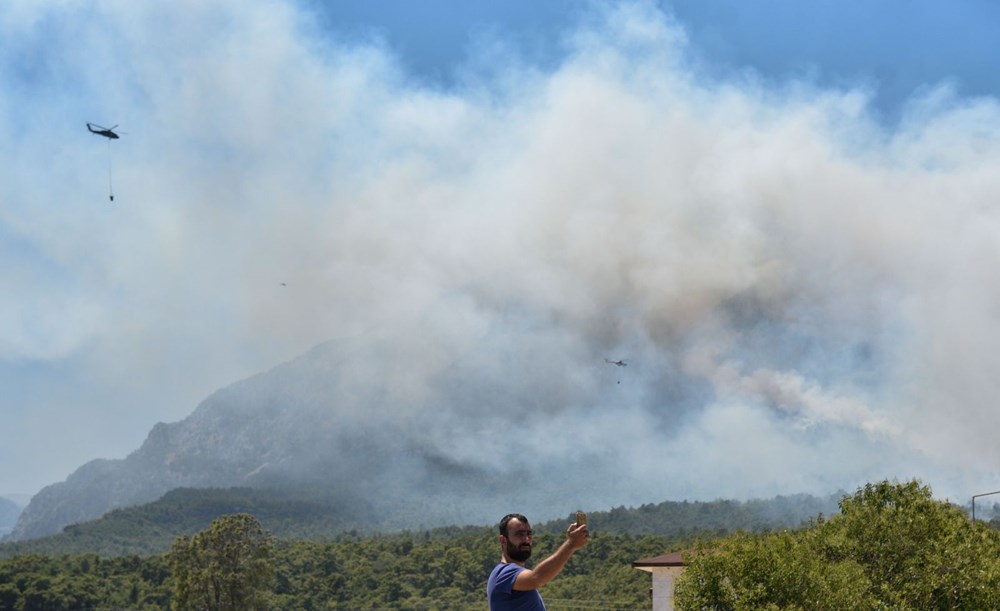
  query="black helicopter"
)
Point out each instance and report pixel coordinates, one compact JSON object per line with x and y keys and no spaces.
{"x":107,"y":132}
{"x":620,"y":363}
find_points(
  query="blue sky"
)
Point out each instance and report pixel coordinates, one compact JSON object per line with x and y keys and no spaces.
{"x":893,"y":47}
{"x":789,"y":205}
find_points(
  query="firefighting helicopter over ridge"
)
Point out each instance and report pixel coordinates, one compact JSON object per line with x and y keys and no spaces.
{"x":110,"y":134}
{"x":618,"y":363}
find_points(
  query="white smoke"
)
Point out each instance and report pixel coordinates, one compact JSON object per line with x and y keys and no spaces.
{"x":803,"y":295}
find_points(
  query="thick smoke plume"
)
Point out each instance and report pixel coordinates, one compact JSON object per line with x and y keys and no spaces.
{"x":804,"y":297}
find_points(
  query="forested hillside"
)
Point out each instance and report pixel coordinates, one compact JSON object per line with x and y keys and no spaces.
{"x":446,"y":569}
{"x":890,"y":546}
{"x":149,"y":529}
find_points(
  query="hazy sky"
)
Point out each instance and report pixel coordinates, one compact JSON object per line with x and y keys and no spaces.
{"x":794,"y":204}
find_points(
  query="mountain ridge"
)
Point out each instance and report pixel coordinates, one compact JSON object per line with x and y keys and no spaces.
{"x":463,"y":435}
{"x":296,"y":515}
{"x":303,"y":423}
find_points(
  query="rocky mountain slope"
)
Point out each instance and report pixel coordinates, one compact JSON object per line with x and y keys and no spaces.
{"x":408,"y":449}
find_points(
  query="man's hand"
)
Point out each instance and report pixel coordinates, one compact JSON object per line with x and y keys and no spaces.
{"x":578,"y":535}
{"x":531,"y":579}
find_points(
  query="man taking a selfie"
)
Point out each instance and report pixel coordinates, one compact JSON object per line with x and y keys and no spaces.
{"x":514,"y":587}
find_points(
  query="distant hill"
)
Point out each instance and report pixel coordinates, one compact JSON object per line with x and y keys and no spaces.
{"x":9,"y":512}
{"x":151,"y":528}
{"x":409,"y":438}
{"x":396,"y":438}
{"x":305,"y":425}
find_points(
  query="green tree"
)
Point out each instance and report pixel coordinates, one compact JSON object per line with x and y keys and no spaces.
{"x":224,"y":568}
{"x":892,"y":547}
{"x":773,"y":571}
{"x":918,"y":553}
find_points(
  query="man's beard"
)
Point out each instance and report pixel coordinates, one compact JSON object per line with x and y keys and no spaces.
{"x":518,"y":554}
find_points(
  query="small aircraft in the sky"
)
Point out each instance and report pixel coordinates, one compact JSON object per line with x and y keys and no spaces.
{"x":619,"y":362}
{"x":107,"y":132}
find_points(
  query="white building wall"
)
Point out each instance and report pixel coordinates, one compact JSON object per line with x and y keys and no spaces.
{"x":663,"y":586}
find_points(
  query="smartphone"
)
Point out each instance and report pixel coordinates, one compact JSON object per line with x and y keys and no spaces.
{"x":581,"y":518}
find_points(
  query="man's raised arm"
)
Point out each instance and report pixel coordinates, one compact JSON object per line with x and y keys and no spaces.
{"x":546,"y":570}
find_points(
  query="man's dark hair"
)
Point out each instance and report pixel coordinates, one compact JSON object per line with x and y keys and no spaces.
{"x":507,"y":518}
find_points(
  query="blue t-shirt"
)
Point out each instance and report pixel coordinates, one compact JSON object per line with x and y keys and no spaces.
{"x":501,"y":593}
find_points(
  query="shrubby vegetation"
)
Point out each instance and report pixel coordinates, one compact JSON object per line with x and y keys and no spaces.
{"x":891,"y":546}
{"x":445,"y":569}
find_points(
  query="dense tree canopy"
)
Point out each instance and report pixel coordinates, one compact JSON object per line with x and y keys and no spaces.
{"x":86,"y":581}
{"x":891,"y":547}
{"x":444,"y":569}
{"x":224,"y":568}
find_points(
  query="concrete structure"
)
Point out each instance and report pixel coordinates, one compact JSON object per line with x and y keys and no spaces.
{"x":665,"y":569}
